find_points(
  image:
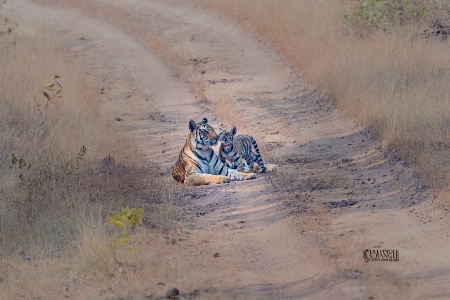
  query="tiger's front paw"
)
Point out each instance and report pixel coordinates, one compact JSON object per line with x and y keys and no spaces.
{"x":239,"y":178}
{"x":223,"y":179}
{"x":236,"y":175}
{"x":251,"y":176}
{"x":246,"y":176}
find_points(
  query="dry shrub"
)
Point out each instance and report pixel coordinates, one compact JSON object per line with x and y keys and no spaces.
{"x":50,"y":139}
{"x":63,"y":171}
{"x":397,"y":87}
{"x":394,"y":82}
{"x":59,"y":159}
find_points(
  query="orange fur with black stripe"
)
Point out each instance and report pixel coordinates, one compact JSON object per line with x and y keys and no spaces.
{"x":198,"y":164}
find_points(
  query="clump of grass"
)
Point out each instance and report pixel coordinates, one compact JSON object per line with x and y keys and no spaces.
{"x":59,"y":158}
{"x":49,"y":137}
{"x":384,"y":15}
{"x":63,"y":171}
{"x":373,"y":60}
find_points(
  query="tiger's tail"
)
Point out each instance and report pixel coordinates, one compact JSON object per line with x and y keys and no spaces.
{"x":258,"y":155}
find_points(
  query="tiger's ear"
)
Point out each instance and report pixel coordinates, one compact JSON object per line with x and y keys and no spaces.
{"x":220,"y":131}
{"x":192,"y":125}
{"x":205,"y":120}
{"x":233,"y":130}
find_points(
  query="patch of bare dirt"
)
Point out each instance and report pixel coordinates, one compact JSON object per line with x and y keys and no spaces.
{"x":298,"y":233}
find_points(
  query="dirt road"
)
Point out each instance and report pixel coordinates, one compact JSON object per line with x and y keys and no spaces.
{"x":338,"y":191}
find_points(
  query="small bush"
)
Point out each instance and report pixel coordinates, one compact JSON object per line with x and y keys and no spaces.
{"x":127,"y":218}
{"x":59,"y":160}
{"x":384,"y":14}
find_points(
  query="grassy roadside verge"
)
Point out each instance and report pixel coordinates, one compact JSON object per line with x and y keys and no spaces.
{"x":380,"y":64}
{"x":64,"y":170}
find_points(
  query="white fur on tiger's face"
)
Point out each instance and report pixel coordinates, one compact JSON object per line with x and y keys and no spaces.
{"x":198,"y":164}
{"x":205,"y":135}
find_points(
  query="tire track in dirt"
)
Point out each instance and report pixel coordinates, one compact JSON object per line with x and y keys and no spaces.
{"x":339,"y":191}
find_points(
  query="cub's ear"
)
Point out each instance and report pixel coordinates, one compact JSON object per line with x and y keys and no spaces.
{"x":220,"y":131}
{"x":233,"y":130}
{"x":192,"y":125}
{"x":205,"y":120}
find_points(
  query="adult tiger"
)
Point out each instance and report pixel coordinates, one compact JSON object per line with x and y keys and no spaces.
{"x":237,"y":150}
{"x":198,"y":164}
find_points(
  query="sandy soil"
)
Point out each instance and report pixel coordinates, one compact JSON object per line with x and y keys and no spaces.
{"x":299,"y":233}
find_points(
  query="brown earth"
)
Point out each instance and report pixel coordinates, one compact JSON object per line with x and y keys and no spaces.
{"x":299,"y":233}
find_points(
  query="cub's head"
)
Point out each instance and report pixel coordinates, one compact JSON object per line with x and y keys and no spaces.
{"x":204,"y":134}
{"x":226,"y":137}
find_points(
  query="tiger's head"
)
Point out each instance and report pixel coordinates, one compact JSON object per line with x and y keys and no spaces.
{"x":203,"y":133}
{"x":226,"y":137}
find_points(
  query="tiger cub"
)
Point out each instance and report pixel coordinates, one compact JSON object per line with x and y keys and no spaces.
{"x":198,"y":164}
{"x":237,"y":150}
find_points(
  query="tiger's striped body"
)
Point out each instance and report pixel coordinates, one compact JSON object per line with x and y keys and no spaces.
{"x":237,"y":150}
{"x":198,"y":164}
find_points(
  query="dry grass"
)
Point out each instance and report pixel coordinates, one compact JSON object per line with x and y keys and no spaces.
{"x":49,"y":136}
{"x":71,"y":171}
{"x":54,"y":241}
{"x":91,"y":273}
{"x":396,"y":83}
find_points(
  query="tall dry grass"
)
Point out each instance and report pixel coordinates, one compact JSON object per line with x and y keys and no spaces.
{"x":61,"y":142}
{"x":394,"y":82}
{"x":63,"y":170}
{"x":52,"y":192}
